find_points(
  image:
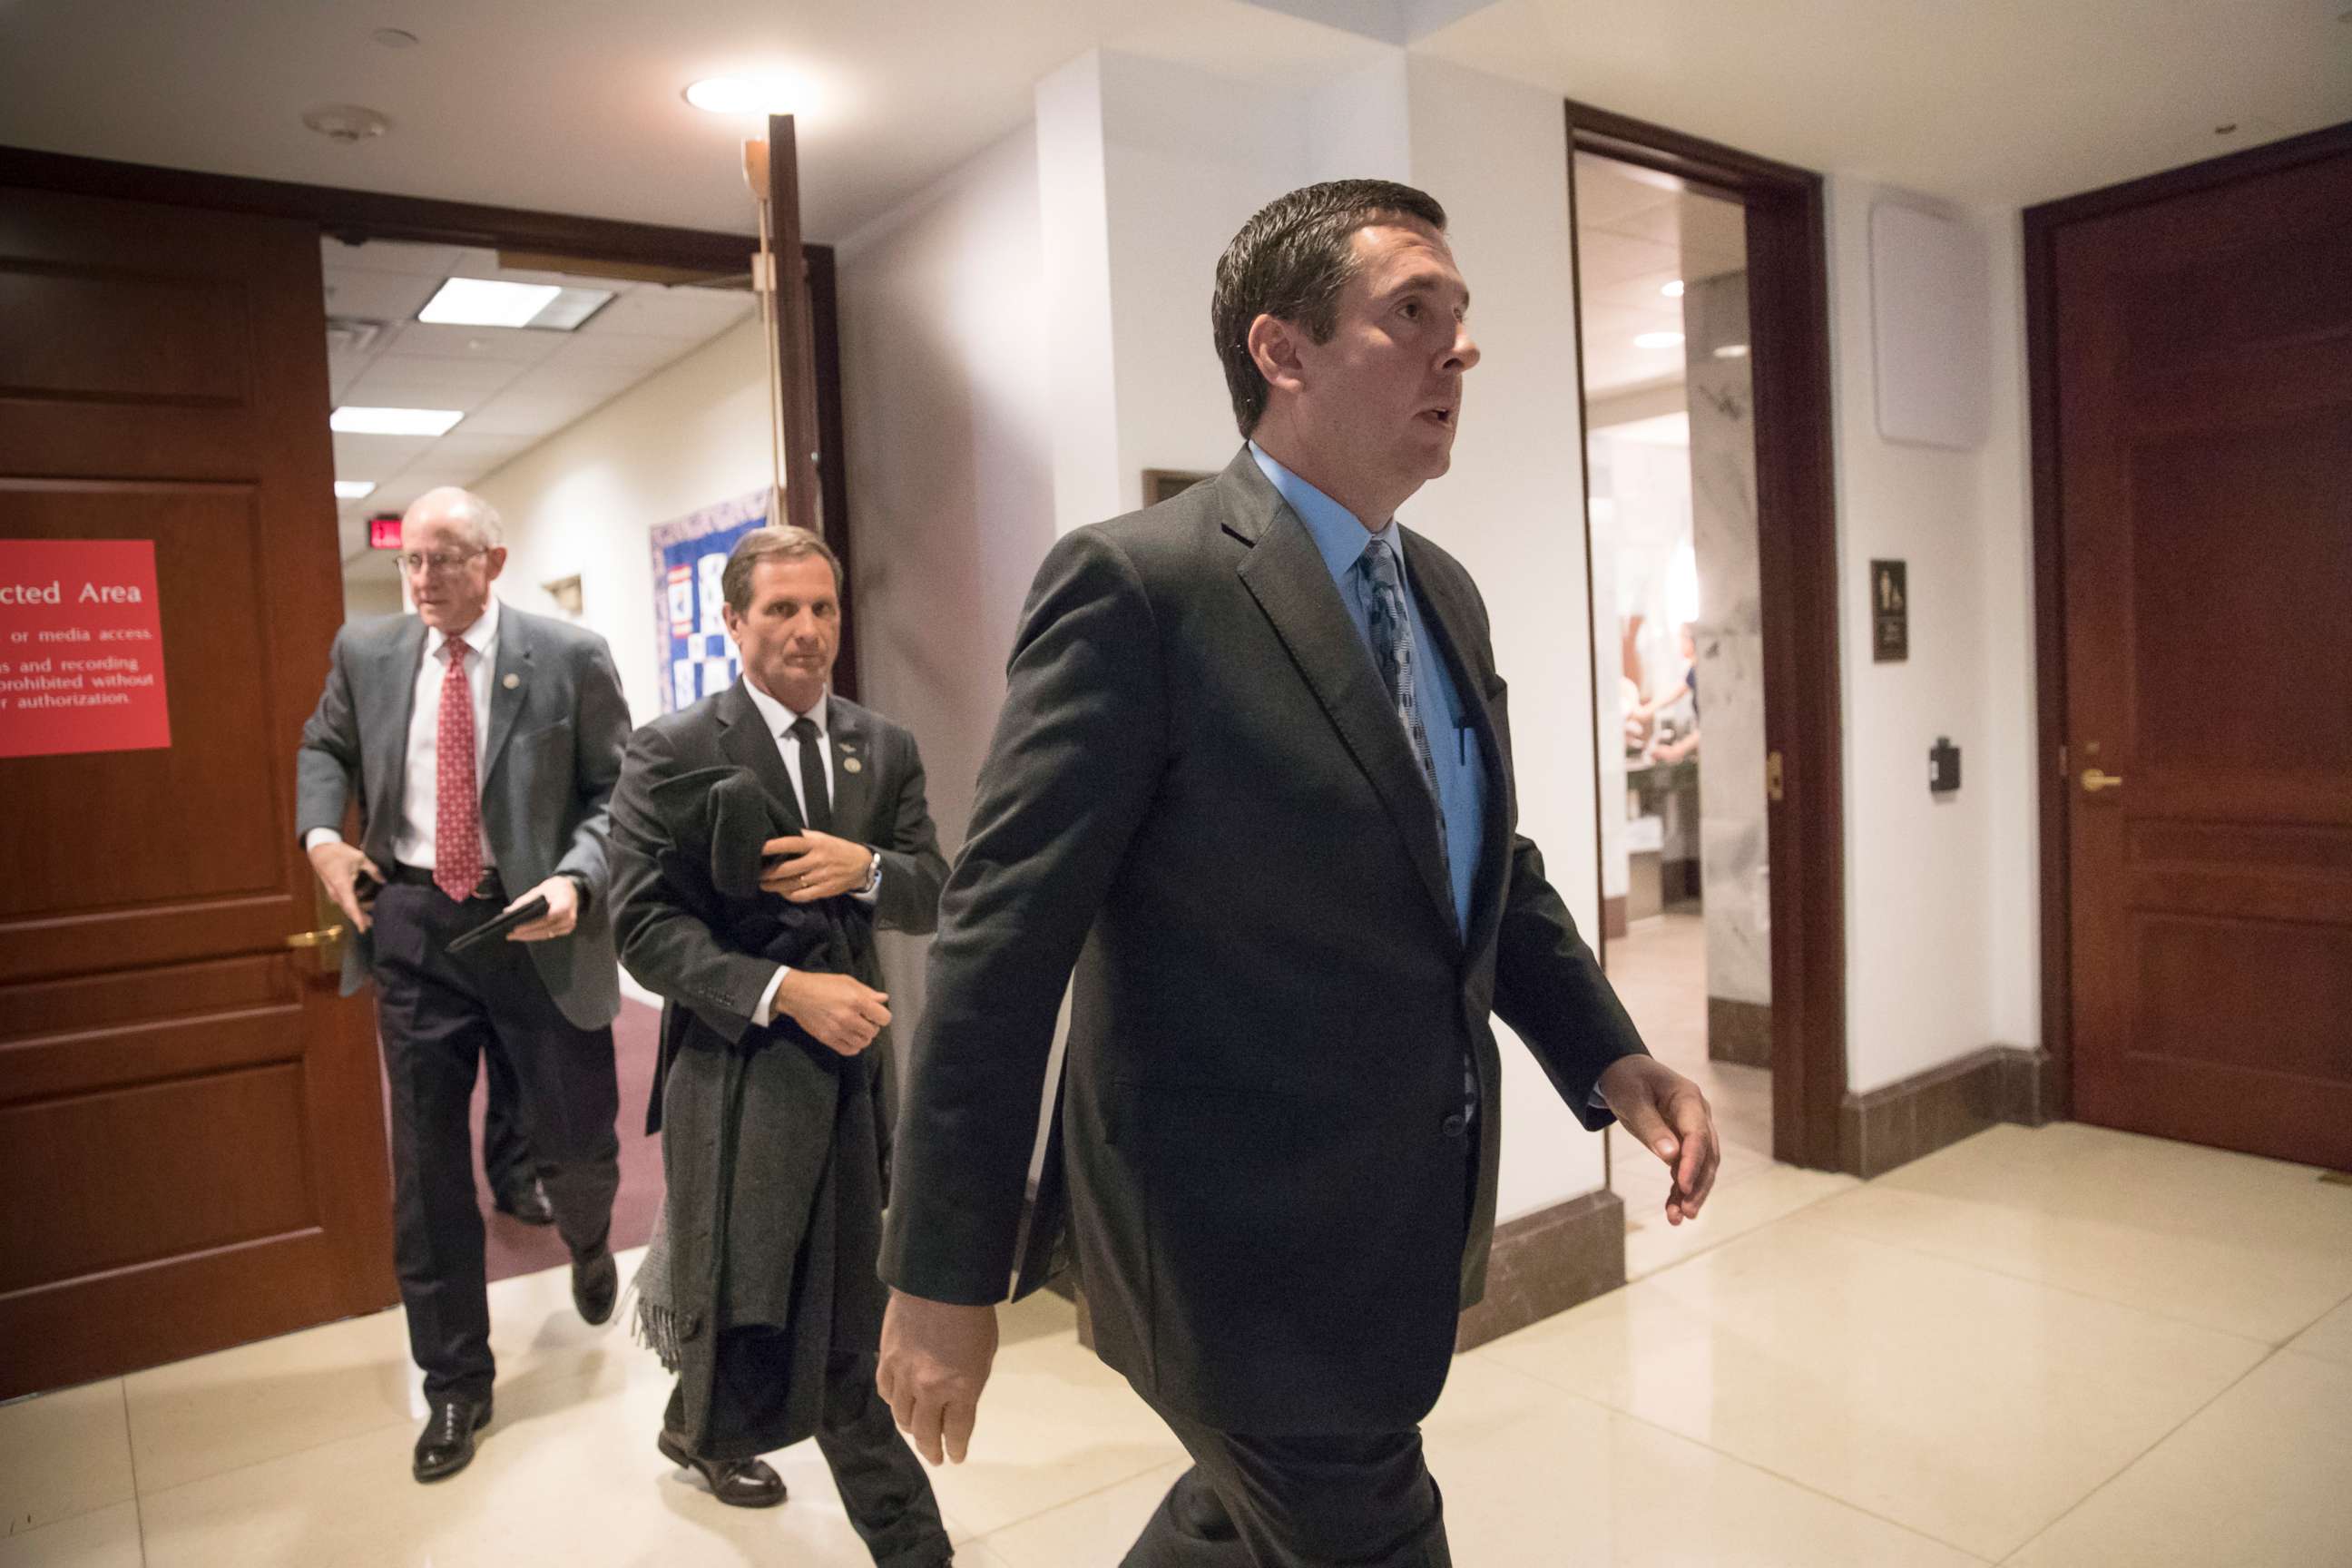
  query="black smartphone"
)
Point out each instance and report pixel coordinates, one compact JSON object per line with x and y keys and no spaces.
{"x":364,"y":887}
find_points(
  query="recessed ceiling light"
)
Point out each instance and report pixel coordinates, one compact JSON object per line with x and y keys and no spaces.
{"x":487,"y":302}
{"x":749,"y":95}
{"x":1732,"y":350}
{"x":393,"y":421}
{"x":354,"y":489}
{"x":1658,"y":340}
{"x":1672,"y":290}
{"x":348,"y":124}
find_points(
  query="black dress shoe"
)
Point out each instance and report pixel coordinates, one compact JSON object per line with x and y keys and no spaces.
{"x":595,"y":1285}
{"x":447,"y":1443}
{"x":738,"y":1483}
{"x":526,"y":1202}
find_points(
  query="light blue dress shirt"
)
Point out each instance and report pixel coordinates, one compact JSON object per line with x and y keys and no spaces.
{"x":1452,"y":736}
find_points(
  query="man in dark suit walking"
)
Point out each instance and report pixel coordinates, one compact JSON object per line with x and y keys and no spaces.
{"x":759,"y":838}
{"x":481,"y":744}
{"x":1253,"y":778}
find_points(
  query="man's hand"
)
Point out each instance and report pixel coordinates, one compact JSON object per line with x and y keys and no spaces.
{"x":339,"y":865}
{"x":843,"y":1013}
{"x":1670,"y":1116}
{"x":816,"y":866}
{"x":563,"y":895}
{"x":935,"y":1362}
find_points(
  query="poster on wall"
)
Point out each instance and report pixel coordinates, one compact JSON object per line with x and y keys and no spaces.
{"x":81,"y":647}
{"x":698,"y":657}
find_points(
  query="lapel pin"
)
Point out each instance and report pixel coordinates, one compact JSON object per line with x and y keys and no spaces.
{"x":511,"y":681}
{"x":851,"y":765}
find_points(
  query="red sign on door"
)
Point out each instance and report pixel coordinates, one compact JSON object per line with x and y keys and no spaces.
{"x":81,"y":647}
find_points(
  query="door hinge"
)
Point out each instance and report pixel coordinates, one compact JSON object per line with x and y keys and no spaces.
{"x":1772,"y":777}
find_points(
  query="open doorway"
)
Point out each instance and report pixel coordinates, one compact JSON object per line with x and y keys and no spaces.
{"x":1670,"y":462}
{"x":1704,"y":360}
{"x":499,"y":368}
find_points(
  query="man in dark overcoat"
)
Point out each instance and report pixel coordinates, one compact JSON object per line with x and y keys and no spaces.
{"x":760,"y":839}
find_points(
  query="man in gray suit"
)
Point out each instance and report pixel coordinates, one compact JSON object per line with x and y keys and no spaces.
{"x":1253,"y":780}
{"x":481,"y":745}
{"x":760,"y":839}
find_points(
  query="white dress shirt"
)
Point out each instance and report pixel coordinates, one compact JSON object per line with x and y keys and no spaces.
{"x":780,"y":721}
{"x":420,"y":796}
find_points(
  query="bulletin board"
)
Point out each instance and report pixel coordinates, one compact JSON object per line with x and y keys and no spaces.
{"x":698,"y":657}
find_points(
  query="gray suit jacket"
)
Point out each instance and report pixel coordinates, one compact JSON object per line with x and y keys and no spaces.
{"x":558,"y":727}
{"x":1200,"y":796}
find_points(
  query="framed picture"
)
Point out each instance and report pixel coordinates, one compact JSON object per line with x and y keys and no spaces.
{"x":1165,"y":484}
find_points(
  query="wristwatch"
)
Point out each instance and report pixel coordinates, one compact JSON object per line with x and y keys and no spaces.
{"x":873,"y":877}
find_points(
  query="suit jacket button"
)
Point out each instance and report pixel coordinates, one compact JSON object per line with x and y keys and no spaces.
{"x":1456,"y":1124}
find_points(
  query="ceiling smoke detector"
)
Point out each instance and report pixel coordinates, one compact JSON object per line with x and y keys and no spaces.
{"x":346,"y":122}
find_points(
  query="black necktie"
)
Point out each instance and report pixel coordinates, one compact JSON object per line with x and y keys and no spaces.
{"x":816,"y":800}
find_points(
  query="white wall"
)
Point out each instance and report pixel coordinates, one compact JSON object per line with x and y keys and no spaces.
{"x":1939,"y":931}
{"x":583,"y":501}
{"x":952,"y":459}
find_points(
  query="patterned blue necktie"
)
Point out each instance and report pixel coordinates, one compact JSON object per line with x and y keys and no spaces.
{"x":1392,"y":652}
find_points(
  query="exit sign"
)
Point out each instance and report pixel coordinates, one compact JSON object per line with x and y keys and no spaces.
{"x":383,"y":533}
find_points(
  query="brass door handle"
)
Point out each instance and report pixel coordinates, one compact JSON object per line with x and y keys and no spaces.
{"x":2093,"y":781}
{"x":327,"y":938}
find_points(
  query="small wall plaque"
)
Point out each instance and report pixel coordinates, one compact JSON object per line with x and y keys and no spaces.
{"x":1890,"y":613}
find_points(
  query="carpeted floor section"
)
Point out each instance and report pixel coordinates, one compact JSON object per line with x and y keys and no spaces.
{"x":515,"y":1249}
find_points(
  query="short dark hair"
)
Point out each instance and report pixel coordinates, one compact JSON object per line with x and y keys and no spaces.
{"x":1291,"y":261}
{"x":782,"y":543}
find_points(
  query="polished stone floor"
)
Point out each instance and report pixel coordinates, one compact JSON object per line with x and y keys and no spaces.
{"x":2056,"y":1348}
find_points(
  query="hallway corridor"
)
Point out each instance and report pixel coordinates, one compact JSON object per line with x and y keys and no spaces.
{"x":2059,"y":1348}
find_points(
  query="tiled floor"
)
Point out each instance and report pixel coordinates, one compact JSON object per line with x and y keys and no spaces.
{"x":2062,"y":1348}
{"x":1659,"y":968}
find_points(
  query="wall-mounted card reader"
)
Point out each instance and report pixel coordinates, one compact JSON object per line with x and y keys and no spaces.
{"x":1943,"y":766}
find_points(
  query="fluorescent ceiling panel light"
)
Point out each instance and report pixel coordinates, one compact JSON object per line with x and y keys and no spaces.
{"x":393,"y":421}
{"x":354,"y":489}
{"x":1672,"y":290}
{"x":1732,"y":350}
{"x":487,"y":302}
{"x":1658,"y":340}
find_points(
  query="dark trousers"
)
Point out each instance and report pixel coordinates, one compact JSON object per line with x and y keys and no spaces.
{"x":507,"y":1159}
{"x":1353,"y":1501}
{"x":438,"y":1015}
{"x":882,"y":1484}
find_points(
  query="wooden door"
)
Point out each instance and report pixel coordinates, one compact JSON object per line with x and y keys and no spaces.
{"x":192,"y":1144}
{"x":2204,"y":390}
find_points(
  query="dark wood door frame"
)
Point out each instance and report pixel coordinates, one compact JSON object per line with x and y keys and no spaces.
{"x":360,"y":216}
{"x":2042,"y":226}
{"x":1788,"y":292}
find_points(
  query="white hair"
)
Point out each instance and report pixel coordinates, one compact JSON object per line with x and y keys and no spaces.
{"x":466,"y":508}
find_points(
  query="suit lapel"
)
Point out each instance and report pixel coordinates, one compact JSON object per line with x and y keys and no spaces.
{"x":392,"y":708}
{"x":744,"y":738}
{"x":853,"y":770}
{"x":509,"y":685}
{"x":1450,"y":622}
{"x":1285,"y":573}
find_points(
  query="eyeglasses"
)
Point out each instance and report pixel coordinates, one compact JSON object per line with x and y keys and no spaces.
{"x":418,"y":565}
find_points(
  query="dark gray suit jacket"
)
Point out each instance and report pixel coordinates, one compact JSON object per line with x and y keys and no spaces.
{"x":1200,"y":795}
{"x":558,"y":724}
{"x":669,"y":933}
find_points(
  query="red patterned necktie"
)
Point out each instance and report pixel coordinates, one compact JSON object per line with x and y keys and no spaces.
{"x":457,"y":800}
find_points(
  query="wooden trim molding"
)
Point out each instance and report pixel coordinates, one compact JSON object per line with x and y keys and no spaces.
{"x":1900,"y":1122}
{"x":2043,"y":225}
{"x":1545,"y":1263}
{"x":378,"y":215}
{"x":1788,"y":284}
{"x":1739,"y":1033}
